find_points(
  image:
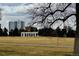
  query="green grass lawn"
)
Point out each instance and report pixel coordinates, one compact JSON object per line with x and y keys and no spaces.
{"x":36,"y":46}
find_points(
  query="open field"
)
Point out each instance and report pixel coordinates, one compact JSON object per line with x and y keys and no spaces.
{"x":36,"y":46}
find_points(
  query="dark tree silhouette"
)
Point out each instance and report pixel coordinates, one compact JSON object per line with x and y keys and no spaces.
{"x":1,"y":31}
{"x":5,"y":32}
{"x":46,"y":32}
{"x":20,"y":30}
{"x":33,"y":29}
{"x":64,"y":32}
{"x":15,"y":32}
{"x":11,"y":32}
{"x":59,"y":33}
{"x":71,"y":33}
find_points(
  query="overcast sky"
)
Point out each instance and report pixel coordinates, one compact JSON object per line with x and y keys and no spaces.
{"x":12,"y":12}
{"x":17,"y":11}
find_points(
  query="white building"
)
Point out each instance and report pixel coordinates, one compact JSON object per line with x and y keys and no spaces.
{"x":27,"y":34}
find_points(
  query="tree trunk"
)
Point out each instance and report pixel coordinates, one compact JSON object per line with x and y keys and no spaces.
{"x":76,"y":43}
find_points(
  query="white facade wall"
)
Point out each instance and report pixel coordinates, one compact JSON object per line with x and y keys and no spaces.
{"x":26,"y":34}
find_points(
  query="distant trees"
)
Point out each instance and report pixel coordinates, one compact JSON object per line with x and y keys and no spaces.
{"x":41,"y":32}
{"x":17,"y":32}
{"x":71,"y":33}
{"x":57,"y":33}
{"x":33,"y":29}
{"x":61,"y":32}
{"x":11,"y":32}
{"x":3,"y":32}
{"x":46,"y":32}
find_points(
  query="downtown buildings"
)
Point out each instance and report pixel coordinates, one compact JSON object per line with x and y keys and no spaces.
{"x":16,"y":24}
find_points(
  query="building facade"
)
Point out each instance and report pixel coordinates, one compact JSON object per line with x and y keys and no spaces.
{"x":16,"y":24}
{"x":27,"y":34}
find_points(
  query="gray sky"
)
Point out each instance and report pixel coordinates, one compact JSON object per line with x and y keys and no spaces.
{"x":12,"y":12}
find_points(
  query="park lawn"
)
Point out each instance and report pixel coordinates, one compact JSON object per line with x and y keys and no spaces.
{"x":25,"y":46}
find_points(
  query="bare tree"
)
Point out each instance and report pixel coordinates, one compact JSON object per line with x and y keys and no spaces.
{"x":48,"y":13}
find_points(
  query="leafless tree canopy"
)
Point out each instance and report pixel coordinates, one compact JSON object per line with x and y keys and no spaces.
{"x":50,"y":13}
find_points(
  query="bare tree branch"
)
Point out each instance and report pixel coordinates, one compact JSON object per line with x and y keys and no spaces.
{"x":63,"y":19}
{"x":45,"y":11}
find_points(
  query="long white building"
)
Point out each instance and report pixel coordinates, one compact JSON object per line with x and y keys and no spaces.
{"x":27,"y":34}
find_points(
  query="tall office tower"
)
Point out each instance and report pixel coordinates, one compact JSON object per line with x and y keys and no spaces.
{"x":11,"y":26}
{"x":16,"y":24}
{"x":22,"y":25}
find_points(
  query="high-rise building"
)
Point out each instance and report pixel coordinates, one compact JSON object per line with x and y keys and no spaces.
{"x":11,"y":26}
{"x":22,"y":24}
{"x":16,"y":24}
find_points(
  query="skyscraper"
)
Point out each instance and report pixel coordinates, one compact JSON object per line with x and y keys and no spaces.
{"x":11,"y":26}
{"x":16,"y":24}
{"x":22,"y":24}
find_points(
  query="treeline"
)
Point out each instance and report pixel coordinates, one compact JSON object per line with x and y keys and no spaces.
{"x":41,"y":32}
{"x":3,"y":32}
{"x":15,"y":32}
{"x":57,"y":33}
